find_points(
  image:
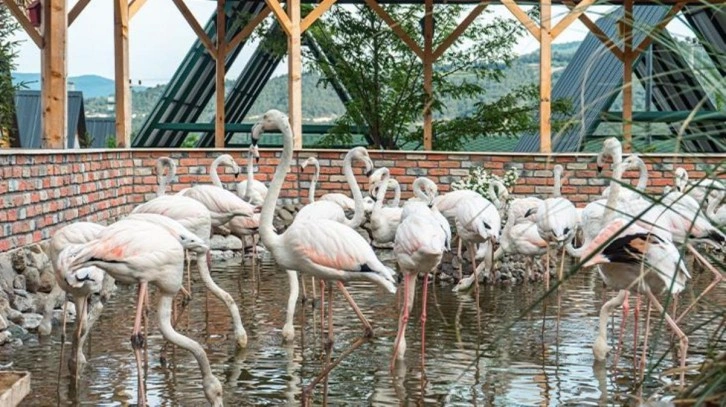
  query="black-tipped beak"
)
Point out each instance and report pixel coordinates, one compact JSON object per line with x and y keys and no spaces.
{"x":236,"y":175}
{"x":399,"y":278}
{"x":530,"y":212}
{"x":257,"y":160}
{"x":373,"y":197}
{"x":599,"y":169}
{"x":369,"y":173}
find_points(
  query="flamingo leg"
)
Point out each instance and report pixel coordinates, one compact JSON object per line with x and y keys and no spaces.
{"x":547,"y":269}
{"x":717,"y":279}
{"x":304,"y":298}
{"x":423,"y":320}
{"x":458,"y":255}
{"x":137,"y":341}
{"x":644,"y":356}
{"x":189,"y":275}
{"x":315,"y":294}
{"x":402,"y":322}
{"x":561,"y":270}
{"x":368,"y":329}
{"x":76,"y":360}
{"x":636,"y":317}
{"x":288,"y":330}
{"x":322,"y":311}
{"x":681,"y":336}
{"x":65,"y":312}
{"x":626,"y":311}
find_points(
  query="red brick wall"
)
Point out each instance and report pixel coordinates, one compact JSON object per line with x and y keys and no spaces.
{"x":42,"y":191}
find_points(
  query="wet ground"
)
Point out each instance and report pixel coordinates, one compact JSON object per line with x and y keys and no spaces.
{"x":505,"y":352}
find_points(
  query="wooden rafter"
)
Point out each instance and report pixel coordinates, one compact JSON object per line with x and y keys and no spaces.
{"x":396,"y":27}
{"x":282,"y":17}
{"x":24,"y":22}
{"x":203,"y":37}
{"x":597,"y":32}
{"x":247,"y":30}
{"x":523,"y":18}
{"x":315,"y":14}
{"x":573,"y":15}
{"x":135,"y":6}
{"x":651,"y":35}
{"x":76,"y":10}
{"x":446,"y":43}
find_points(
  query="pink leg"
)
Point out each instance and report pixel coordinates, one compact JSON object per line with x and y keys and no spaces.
{"x":460,"y":260}
{"x":137,"y":342}
{"x":644,"y":356}
{"x":716,"y":280}
{"x":636,"y":317}
{"x":681,"y":336}
{"x":403,"y":321}
{"x":547,"y":269}
{"x":366,"y":325}
{"x":322,"y":311}
{"x":423,"y":321}
{"x":626,"y":311}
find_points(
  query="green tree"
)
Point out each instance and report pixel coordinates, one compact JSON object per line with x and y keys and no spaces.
{"x":385,"y":81}
{"x":7,"y":90}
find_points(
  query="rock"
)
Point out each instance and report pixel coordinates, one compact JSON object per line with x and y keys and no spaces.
{"x":289,"y":208}
{"x":58,"y":316}
{"x":17,"y":331}
{"x":47,"y":281}
{"x":19,"y":282}
{"x":3,"y":323}
{"x":286,"y":216}
{"x":17,"y":342}
{"x":225,"y":243}
{"x":18,"y":261}
{"x":22,"y":302}
{"x":7,"y":273}
{"x":31,"y":321}
{"x":32,"y":279}
{"x":14,"y":316}
{"x":5,"y":337}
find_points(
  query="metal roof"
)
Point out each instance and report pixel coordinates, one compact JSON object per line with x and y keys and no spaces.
{"x":101,"y":130}
{"x":709,"y":21}
{"x":28,"y":113}
{"x":594,"y":77}
{"x":192,"y":86}
{"x":249,"y":84}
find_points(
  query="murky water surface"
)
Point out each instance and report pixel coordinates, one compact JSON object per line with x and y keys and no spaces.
{"x":485,"y":357}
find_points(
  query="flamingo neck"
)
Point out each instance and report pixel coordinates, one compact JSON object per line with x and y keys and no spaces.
{"x":643,"y":178}
{"x":314,"y":182}
{"x":267,"y":232}
{"x":250,"y":175}
{"x":557,"y":190}
{"x":614,"y":192}
{"x":714,"y":203}
{"x":397,"y":193}
{"x":165,"y":303}
{"x":382,"y":188}
{"x":213,"y":172}
{"x":164,"y":181}
{"x":355,"y":190}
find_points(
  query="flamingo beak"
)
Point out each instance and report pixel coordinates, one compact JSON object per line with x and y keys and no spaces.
{"x":596,"y":259}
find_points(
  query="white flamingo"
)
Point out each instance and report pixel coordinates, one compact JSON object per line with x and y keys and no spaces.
{"x":255,"y":194}
{"x":203,"y":261}
{"x":374,"y":180}
{"x":384,"y":220}
{"x":139,"y":252}
{"x":325,"y":249}
{"x":421,"y":239}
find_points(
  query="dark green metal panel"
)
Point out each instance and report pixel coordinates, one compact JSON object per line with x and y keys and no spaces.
{"x":666,"y":117}
{"x":192,"y":86}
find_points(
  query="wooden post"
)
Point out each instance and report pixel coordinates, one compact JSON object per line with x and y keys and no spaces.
{"x":221,"y":57}
{"x":294,"y":72}
{"x":627,"y":33}
{"x":54,"y":72}
{"x":121,"y":76}
{"x":428,"y":73}
{"x":545,"y":77}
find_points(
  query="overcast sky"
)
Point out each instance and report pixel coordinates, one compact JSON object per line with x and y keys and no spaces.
{"x":160,"y":37}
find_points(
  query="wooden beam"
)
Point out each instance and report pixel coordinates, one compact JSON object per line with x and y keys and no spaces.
{"x":428,"y":74}
{"x":645,"y":43}
{"x":597,"y":32}
{"x":545,"y":77}
{"x":54,"y":96}
{"x":373,"y":4}
{"x":573,"y":15}
{"x":219,"y":117}
{"x":248,"y":29}
{"x":446,"y":43}
{"x":24,"y":21}
{"x":76,"y":10}
{"x":523,"y":18}
{"x":203,"y":37}
{"x":135,"y":6}
{"x":121,"y":73}
{"x":315,"y":14}
{"x":294,"y":72}
{"x":628,"y":57}
{"x":282,"y":17}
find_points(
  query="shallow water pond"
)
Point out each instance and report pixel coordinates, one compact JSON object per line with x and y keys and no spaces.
{"x":490,"y":355}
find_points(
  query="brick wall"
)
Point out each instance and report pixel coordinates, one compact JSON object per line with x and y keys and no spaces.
{"x":42,"y":191}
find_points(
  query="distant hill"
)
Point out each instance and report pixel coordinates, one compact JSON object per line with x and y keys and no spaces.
{"x":92,"y":86}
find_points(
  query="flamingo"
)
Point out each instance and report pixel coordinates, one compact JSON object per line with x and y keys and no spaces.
{"x":633,"y":160}
{"x":80,"y":285}
{"x":556,"y":219}
{"x":421,"y":239}
{"x":256,"y":193}
{"x":698,"y":190}
{"x":325,"y":249}
{"x":203,"y":260}
{"x":520,"y":234}
{"x":374,"y":180}
{"x":327,"y":209}
{"x":384,"y":220}
{"x":139,"y":252}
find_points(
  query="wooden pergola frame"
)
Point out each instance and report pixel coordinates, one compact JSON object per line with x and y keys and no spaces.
{"x":52,"y":38}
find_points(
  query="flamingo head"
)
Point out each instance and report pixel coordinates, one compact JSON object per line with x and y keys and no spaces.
{"x":213,"y":390}
{"x":309,"y":161}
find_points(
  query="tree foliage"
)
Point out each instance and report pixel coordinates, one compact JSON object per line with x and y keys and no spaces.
{"x":7,"y":89}
{"x":385,"y":78}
